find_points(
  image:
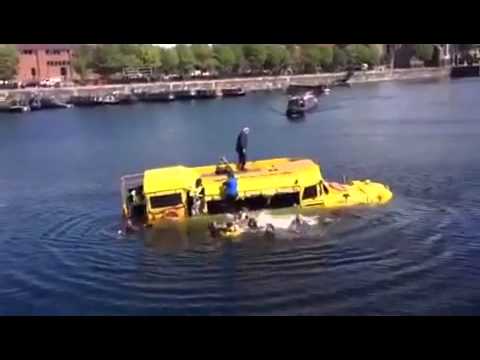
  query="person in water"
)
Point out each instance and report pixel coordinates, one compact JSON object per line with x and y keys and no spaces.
{"x":241,"y":148}
{"x":216,"y":229}
{"x":269,"y":230}
{"x":297,"y":223}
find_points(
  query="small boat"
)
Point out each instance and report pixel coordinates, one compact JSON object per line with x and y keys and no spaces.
{"x":236,"y":91}
{"x":86,"y":100}
{"x":127,"y":99}
{"x":299,"y":89}
{"x":53,"y":103}
{"x":185,"y":94}
{"x":299,"y":105}
{"x":110,"y":99}
{"x":206,"y":94}
{"x":18,"y":106}
{"x":157,"y":96}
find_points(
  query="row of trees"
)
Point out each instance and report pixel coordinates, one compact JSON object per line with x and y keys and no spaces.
{"x":225,"y":59}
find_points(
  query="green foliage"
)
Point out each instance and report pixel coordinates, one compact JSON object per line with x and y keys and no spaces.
{"x":240,"y":61}
{"x":225,"y":57}
{"x":83,"y":60}
{"x":229,"y":59}
{"x":150,"y":56}
{"x":311,"y":57}
{"x":8,"y":62}
{"x":186,"y":60}
{"x":424,"y":52}
{"x":108,"y":59}
{"x":325,"y":55}
{"x":203,"y":55}
{"x":169,"y":59}
{"x":255,"y":55}
{"x":361,"y":53}
{"x":340,"y":58}
{"x":277,"y":57}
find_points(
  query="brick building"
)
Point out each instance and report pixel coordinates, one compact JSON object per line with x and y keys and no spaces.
{"x":39,"y":62}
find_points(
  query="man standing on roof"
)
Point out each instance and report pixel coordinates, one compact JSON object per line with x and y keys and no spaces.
{"x":241,"y":148}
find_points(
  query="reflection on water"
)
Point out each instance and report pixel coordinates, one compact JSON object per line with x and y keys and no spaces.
{"x":60,"y":208}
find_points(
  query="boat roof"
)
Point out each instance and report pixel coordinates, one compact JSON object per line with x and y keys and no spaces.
{"x":265,"y":177}
{"x":169,"y":178}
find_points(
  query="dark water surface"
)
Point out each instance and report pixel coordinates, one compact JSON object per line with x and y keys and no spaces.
{"x":60,"y":208}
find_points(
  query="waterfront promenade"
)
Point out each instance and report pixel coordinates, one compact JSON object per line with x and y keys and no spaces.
{"x":249,"y":84}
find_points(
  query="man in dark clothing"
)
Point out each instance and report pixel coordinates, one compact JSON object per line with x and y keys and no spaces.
{"x":241,"y":148}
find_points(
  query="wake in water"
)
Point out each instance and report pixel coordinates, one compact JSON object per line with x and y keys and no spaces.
{"x":283,"y":222}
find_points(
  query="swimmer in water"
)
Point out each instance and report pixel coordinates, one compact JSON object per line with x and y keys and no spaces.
{"x":252,"y":224}
{"x":269,"y":230}
{"x":297,"y":223}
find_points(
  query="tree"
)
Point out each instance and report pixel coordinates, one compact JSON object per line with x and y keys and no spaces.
{"x":107,"y":59}
{"x":295,"y":55}
{"x":340,"y":58}
{"x":310,"y":57}
{"x":424,"y":52}
{"x":150,"y":56}
{"x":325,"y":56}
{"x":186,"y":60}
{"x":8,"y":62}
{"x":255,"y":54}
{"x":225,"y":57}
{"x":361,"y":53}
{"x":169,"y":59}
{"x":240,"y":61}
{"x":277,"y":57}
{"x":203,"y":54}
{"x":82,"y":60}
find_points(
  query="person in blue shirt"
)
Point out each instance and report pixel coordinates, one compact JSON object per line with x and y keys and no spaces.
{"x":230,"y":187}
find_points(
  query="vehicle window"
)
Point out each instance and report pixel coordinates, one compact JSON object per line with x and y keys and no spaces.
{"x":310,"y":192}
{"x":165,"y":200}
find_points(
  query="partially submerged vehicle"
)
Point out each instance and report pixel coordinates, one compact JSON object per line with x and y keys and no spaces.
{"x":166,"y":193}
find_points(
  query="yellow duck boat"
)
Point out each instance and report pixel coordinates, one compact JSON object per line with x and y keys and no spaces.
{"x":166,"y":193}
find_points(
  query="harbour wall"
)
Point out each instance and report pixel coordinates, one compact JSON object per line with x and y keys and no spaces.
{"x":249,"y":84}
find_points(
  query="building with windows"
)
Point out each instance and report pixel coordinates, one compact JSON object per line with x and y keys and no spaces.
{"x":39,"y":62}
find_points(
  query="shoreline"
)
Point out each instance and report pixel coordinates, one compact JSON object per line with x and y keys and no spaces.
{"x":265,"y":83}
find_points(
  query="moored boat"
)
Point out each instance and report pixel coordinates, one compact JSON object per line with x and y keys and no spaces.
{"x":206,"y":94}
{"x":235,"y":91}
{"x":185,"y":94}
{"x":85,"y":101}
{"x":160,"y":96}
{"x":50,"y":102}
{"x":18,"y":106}
{"x":267,"y":184}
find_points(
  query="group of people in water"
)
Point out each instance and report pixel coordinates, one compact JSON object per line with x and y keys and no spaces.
{"x":243,"y":221}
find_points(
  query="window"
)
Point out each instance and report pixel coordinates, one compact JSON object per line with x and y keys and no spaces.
{"x":33,"y":71}
{"x":27,"y":52}
{"x":165,"y":200}
{"x":325,"y":189}
{"x":310,"y":192}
